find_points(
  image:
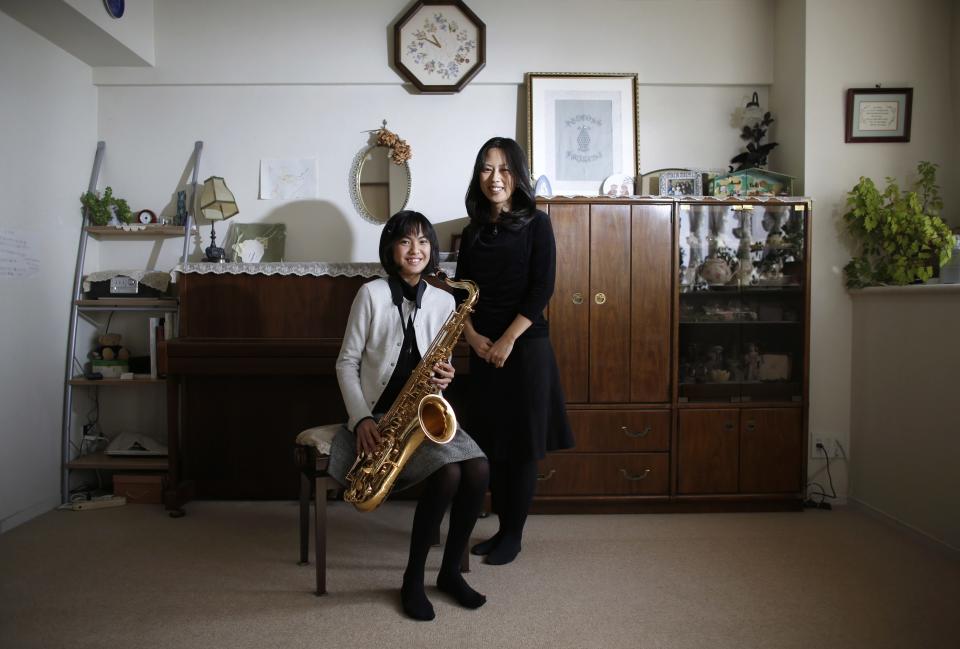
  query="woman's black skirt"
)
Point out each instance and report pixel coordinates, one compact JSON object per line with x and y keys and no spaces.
{"x":517,"y":412}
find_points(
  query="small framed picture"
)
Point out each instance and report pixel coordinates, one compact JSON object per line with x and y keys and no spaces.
{"x":581,"y":128}
{"x":681,"y":183}
{"x":878,"y":114}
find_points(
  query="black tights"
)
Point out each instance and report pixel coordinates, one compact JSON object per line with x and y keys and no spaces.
{"x":462,"y":484}
{"x":512,"y":485}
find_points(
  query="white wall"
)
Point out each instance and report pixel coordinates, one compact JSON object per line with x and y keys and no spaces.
{"x":858,"y":43}
{"x":787,"y":92}
{"x":319,"y":77}
{"x":952,"y":178}
{"x":48,"y":110}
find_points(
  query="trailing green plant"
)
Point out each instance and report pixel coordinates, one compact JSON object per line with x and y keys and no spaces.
{"x":899,"y":234}
{"x":99,"y":207}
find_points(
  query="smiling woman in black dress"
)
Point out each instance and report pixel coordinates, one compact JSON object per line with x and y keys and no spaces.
{"x":516,"y":409}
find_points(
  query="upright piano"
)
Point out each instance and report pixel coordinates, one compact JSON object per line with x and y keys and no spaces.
{"x":251,"y":366}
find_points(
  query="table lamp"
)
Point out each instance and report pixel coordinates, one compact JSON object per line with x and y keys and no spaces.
{"x":216,"y":204}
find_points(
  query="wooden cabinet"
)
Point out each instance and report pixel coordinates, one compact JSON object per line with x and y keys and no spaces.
{"x":610,"y":326}
{"x":610,"y":316}
{"x":681,"y":334}
{"x":739,"y":451}
{"x":742,"y":331}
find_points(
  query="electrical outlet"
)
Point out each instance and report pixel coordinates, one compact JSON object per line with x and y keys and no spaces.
{"x":829,"y":445}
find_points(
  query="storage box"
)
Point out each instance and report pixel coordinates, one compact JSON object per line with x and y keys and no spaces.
{"x":140,"y":488}
{"x":110,"y":369}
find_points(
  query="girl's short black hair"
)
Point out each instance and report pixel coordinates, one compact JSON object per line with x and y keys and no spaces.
{"x":402,"y":224}
{"x":522,"y":202}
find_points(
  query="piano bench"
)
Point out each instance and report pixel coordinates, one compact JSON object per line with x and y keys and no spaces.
{"x":312,"y":455}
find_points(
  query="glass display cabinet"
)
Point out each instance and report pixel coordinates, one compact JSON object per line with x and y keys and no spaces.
{"x":742,"y":301}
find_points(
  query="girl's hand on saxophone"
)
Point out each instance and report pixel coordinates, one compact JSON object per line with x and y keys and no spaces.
{"x":442,"y":375}
{"x":367,"y":436}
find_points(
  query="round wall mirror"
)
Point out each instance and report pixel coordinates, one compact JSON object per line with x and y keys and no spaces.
{"x":379,"y":187}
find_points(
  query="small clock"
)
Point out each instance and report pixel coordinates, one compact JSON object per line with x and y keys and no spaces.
{"x":439,"y":45}
{"x":146,"y":216}
{"x":114,"y":7}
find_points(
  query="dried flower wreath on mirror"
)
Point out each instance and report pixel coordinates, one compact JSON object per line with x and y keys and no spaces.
{"x":400,"y":151}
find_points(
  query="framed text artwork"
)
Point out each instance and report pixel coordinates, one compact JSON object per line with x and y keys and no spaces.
{"x":439,"y":45}
{"x":878,"y":114}
{"x":581,"y":129}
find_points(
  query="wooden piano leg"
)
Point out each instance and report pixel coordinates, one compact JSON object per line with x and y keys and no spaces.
{"x":305,"y":484}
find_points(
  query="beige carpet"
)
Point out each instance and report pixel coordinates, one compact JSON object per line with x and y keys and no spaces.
{"x":226,"y":576}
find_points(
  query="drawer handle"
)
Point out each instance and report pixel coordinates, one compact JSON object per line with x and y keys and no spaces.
{"x":578,"y":298}
{"x":728,"y":426}
{"x":643,"y":433}
{"x":544,"y":478}
{"x":600,"y":298}
{"x":634,"y":478}
{"x":751,"y":425}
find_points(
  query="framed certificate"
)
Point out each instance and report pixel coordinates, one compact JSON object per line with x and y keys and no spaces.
{"x":878,"y":114}
{"x":581,"y":129}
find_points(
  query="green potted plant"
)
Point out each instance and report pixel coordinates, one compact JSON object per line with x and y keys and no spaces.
{"x":899,"y":235}
{"x":100,"y":208}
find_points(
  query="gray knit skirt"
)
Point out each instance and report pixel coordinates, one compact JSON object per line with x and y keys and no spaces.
{"x":428,"y":457}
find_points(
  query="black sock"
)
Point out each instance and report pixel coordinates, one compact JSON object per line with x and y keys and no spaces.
{"x":506,"y":551}
{"x":485,"y":547}
{"x":414,"y":599}
{"x":519,"y":484}
{"x":453,"y":584}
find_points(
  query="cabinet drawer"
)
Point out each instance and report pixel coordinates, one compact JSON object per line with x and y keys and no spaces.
{"x":620,"y":430}
{"x":607,"y":474}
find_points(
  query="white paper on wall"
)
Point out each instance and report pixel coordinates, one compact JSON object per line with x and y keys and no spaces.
{"x":289,"y":179}
{"x":17,"y":254}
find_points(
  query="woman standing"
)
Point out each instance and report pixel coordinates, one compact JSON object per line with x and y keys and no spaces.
{"x":390,"y":322}
{"x":517,"y":411}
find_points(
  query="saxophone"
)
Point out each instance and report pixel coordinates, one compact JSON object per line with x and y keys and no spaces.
{"x":419,"y":412}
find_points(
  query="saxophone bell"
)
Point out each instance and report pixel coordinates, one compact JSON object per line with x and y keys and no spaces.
{"x":437,"y":419}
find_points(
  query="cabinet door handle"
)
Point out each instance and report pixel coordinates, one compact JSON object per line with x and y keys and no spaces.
{"x":634,"y":477}
{"x":751,"y":425}
{"x":728,"y":426}
{"x":577,"y":298}
{"x":643,"y":433}
{"x":600,"y":298}
{"x":543,"y":478}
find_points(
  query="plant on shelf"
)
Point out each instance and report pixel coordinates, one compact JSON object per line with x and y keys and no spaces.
{"x":101,"y":208}
{"x":898,"y":234}
{"x":755,"y":157}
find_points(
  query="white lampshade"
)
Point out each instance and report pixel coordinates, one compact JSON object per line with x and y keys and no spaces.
{"x":216,"y":200}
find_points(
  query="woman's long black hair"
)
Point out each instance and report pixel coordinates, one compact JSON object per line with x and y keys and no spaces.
{"x":402,"y":224}
{"x":522,"y":202}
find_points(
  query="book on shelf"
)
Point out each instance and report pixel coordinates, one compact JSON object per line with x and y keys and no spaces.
{"x":154,"y":324}
{"x":167,"y":327}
